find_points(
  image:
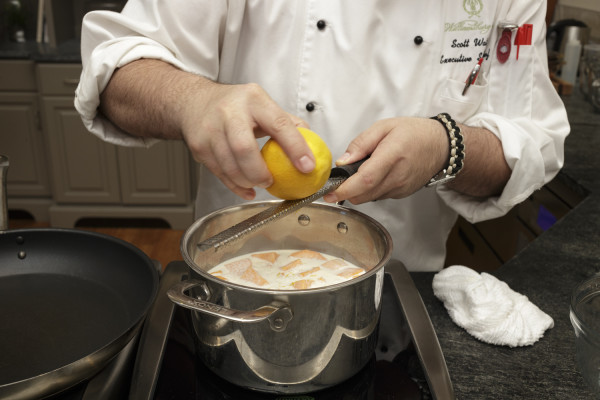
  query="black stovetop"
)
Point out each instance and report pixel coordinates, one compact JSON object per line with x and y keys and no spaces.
{"x":183,"y":377}
{"x":394,"y":372}
{"x":165,"y":367}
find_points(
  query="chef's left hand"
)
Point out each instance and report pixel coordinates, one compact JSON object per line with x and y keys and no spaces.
{"x":405,"y":153}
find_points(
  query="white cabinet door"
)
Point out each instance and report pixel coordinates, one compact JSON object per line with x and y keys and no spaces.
{"x":22,"y":141}
{"x":158,"y":175}
{"x":84,"y":168}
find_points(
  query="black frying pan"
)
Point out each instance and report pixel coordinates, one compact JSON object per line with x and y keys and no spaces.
{"x":69,"y":302}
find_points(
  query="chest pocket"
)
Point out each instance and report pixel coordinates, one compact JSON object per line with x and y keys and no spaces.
{"x":449,"y":98}
{"x":467,"y":35}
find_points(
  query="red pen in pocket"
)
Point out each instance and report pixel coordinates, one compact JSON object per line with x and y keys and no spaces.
{"x":523,"y":36}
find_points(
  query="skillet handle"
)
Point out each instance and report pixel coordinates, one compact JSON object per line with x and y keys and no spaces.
{"x":278,"y":314}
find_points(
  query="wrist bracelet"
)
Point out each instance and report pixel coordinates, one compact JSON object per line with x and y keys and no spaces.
{"x":457,"y":151}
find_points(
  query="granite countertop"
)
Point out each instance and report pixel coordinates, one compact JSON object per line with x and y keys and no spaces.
{"x":546,"y":271}
{"x":67,"y":52}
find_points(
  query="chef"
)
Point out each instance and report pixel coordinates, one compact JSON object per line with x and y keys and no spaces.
{"x":451,"y":99}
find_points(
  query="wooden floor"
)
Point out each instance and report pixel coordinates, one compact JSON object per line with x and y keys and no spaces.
{"x":161,"y":244}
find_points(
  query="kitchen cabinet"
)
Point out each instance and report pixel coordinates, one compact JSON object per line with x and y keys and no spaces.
{"x":21,"y":139}
{"x":84,"y":169}
{"x":95,"y":179}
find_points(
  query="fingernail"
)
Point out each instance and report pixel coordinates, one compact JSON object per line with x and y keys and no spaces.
{"x":249,"y":194}
{"x":265,"y":184}
{"x":330,"y":198}
{"x":306,"y":164}
{"x":343,"y":158}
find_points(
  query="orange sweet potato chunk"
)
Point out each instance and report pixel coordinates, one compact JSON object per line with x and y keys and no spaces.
{"x":308,"y":254}
{"x":270,"y":256}
{"x":239,"y":267}
{"x":291,"y":265}
{"x":251,"y":275}
{"x":302,"y":284}
{"x":336,"y":263}
{"x":310,"y":271}
{"x":351,"y":272}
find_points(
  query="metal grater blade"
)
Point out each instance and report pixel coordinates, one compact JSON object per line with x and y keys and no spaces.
{"x":336,"y":178}
{"x":269,"y":215}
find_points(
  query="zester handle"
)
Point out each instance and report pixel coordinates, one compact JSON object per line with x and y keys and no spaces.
{"x":348,"y":170}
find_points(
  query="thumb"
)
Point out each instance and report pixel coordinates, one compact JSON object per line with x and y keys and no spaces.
{"x":365,"y":143}
{"x":354,"y":152}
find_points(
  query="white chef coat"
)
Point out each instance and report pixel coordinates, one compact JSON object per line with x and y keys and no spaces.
{"x":370,"y":60}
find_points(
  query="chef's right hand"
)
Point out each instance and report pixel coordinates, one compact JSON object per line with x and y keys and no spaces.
{"x":221,"y":125}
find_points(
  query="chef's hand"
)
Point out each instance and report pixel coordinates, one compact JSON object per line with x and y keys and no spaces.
{"x":221,"y":131}
{"x":405,"y":153}
{"x":220,"y":123}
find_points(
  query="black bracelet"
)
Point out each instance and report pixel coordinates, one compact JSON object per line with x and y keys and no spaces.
{"x":457,"y":151}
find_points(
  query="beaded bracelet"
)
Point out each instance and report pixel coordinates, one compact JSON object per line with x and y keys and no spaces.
{"x":457,"y":151}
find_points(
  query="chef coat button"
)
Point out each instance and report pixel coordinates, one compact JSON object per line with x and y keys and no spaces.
{"x":310,"y":107}
{"x":321,"y":24}
{"x":418,"y":40}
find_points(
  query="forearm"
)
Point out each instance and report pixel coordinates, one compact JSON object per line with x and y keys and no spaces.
{"x":147,"y":98}
{"x":485,"y":171}
{"x":219,"y":123}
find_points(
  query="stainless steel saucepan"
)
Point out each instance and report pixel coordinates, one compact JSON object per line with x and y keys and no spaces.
{"x":286,"y":341}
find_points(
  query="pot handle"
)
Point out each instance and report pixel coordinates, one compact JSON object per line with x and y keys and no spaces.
{"x":277,"y":313}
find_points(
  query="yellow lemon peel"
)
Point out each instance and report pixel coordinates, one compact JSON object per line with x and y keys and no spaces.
{"x":288,"y":182}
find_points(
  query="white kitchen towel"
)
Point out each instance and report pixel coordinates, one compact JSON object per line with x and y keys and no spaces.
{"x":488,"y":308}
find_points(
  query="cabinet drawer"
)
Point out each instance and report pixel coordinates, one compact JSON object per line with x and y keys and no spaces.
{"x":17,"y":75}
{"x":466,"y":246}
{"x":58,"y":79}
{"x":541,"y":210}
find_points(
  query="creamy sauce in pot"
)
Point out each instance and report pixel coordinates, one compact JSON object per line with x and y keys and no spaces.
{"x":286,"y":270}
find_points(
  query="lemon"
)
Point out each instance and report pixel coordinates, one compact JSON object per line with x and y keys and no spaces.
{"x":288,"y":182}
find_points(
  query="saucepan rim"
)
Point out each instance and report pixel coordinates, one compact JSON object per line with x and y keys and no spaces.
{"x":387,"y":239}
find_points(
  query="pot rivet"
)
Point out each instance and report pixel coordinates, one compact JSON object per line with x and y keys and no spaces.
{"x":304,"y":220}
{"x":278,"y":323}
{"x":20,"y":240}
{"x":21,"y":255}
{"x":342,"y":227}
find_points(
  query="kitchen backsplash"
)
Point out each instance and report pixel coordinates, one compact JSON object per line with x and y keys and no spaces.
{"x":64,"y":11}
{"x":28,"y":13}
